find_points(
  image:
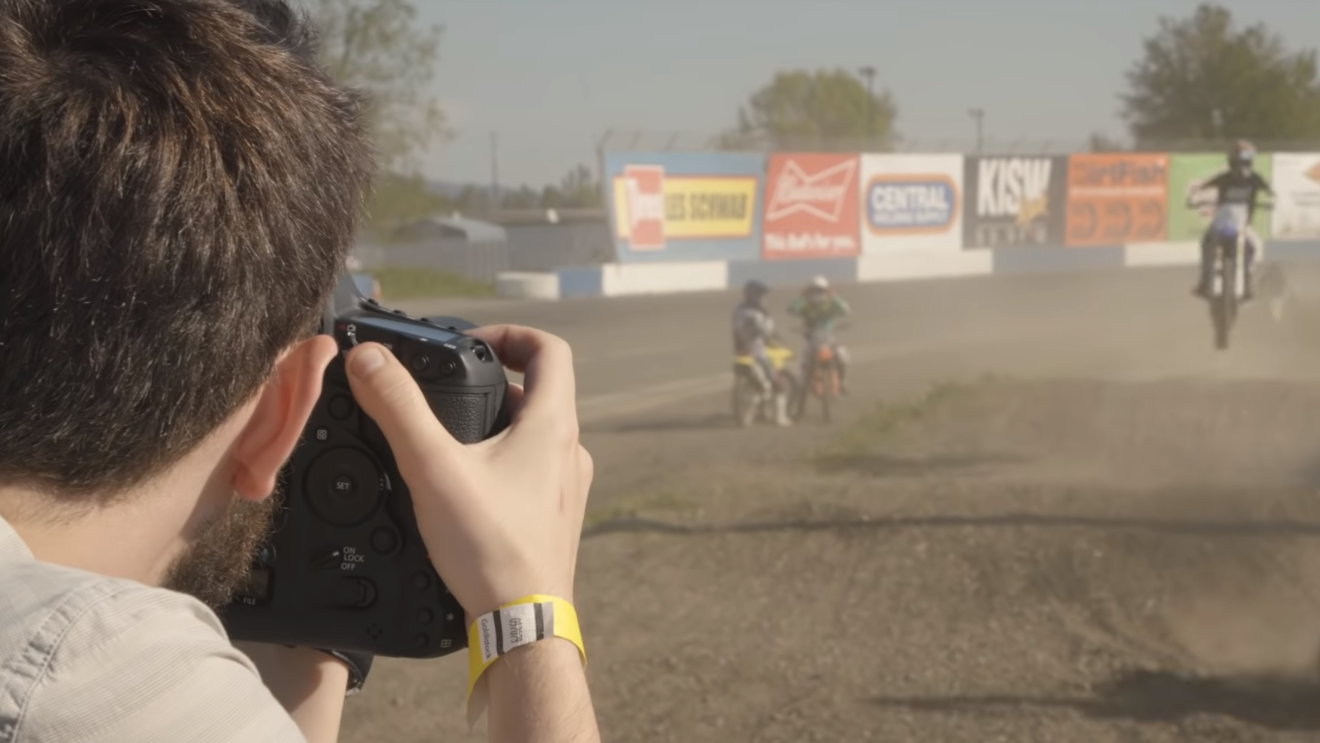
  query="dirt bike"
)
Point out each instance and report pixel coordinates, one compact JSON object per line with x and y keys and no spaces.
{"x":1228,"y":278}
{"x":820,"y":378}
{"x":751,"y":404}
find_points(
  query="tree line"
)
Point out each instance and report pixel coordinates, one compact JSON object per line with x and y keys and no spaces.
{"x":1200,"y":80}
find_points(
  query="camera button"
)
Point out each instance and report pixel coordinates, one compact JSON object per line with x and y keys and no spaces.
{"x":351,"y":593}
{"x":422,"y":640}
{"x":419,"y":362}
{"x":341,"y":406}
{"x":425,"y":617}
{"x":343,"y":486}
{"x":384,"y":541}
{"x":421,"y":581}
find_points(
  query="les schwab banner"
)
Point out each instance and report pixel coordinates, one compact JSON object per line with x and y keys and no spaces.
{"x":1118,"y":198}
{"x":685,"y":206}
{"x":911,"y":202}
{"x":811,"y":207}
{"x":1015,"y":201}
{"x":1186,"y":174}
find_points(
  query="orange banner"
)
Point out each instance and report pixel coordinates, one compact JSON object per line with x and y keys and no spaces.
{"x":1114,"y":199}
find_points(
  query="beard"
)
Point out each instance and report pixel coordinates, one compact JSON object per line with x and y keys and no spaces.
{"x":219,"y":560}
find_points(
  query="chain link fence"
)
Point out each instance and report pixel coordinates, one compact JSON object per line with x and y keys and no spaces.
{"x":619,"y":140}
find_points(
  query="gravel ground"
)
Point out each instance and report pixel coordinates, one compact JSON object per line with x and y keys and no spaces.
{"x":1016,"y":561}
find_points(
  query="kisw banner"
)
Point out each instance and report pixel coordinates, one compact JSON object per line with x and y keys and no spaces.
{"x":1015,"y":201}
{"x":811,"y":208}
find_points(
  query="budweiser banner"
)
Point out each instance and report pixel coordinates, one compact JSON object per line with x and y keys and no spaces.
{"x":811,"y":208}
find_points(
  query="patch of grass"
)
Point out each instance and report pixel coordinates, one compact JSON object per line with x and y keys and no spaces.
{"x":663,"y":501}
{"x":886,"y":418}
{"x":408,"y":283}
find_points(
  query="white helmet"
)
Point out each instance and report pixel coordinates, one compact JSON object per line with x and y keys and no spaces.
{"x":820,"y":282}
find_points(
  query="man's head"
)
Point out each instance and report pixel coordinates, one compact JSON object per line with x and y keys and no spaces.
{"x":754,"y":292}
{"x":819,"y":288}
{"x":179,"y":186}
{"x":1242,"y":157}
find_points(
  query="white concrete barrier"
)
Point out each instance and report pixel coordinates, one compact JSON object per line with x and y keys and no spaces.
{"x":1161,"y":254}
{"x":526,"y":285}
{"x":619,"y":279}
{"x":903,"y":265}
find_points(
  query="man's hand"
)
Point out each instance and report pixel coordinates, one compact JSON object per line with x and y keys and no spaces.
{"x":502,"y":519}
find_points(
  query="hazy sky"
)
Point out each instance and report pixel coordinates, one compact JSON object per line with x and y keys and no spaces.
{"x":551,"y":76}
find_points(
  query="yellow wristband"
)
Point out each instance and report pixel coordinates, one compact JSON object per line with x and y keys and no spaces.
{"x":522,"y":622}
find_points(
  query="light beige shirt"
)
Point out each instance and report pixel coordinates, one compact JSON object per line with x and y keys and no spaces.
{"x":84,"y":658}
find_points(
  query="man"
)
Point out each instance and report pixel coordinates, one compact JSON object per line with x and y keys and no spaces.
{"x":819,"y":307}
{"x":179,"y":186}
{"x":753,"y":329}
{"x":1238,"y":186}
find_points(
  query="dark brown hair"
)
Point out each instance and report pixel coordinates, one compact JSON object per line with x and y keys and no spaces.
{"x":179,"y":186}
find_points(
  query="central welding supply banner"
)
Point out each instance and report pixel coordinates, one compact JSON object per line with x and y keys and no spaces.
{"x":911,"y":203}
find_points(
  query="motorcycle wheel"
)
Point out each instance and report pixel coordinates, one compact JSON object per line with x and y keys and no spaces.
{"x":1224,"y":306}
{"x":828,"y":385}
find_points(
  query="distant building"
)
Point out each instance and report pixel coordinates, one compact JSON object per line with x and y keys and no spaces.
{"x":480,"y":249}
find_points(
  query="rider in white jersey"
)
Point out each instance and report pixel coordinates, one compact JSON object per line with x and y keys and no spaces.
{"x":753,"y":330}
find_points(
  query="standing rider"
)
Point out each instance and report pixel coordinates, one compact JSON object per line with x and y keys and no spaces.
{"x":819,"y":307}
{"x":753,"y":329}
{"x":1239,"y":185}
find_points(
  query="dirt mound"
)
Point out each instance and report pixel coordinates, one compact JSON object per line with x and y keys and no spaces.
{"x":1063,"y":561}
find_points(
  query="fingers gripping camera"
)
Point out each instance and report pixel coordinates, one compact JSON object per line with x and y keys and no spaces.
{"x":345,"y":567}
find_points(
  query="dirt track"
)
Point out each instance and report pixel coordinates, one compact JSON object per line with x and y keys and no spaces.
{"x":1119,"y":541}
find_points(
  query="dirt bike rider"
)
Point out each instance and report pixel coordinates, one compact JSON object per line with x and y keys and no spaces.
{"x":753,"y":330}
{"x":1239,"y":185}
{"x":819,"y":307}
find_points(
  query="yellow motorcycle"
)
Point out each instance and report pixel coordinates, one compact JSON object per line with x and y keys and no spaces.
{"x":751,"y":404}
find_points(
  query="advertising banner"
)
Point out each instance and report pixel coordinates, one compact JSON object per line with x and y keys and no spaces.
{"x":1186,"y":173}
{"x":1015,"y":202}
{"x":1297,"y":197}
{"x":811,"y":207}
{"x":1117,"y":198}
{"x":911,"y":202}
{"x":675,"y":207}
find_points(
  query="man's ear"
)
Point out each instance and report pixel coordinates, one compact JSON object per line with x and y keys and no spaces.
{"x":283,"y":407}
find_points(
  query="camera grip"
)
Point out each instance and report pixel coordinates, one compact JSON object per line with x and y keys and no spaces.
{"x":470,"y":417}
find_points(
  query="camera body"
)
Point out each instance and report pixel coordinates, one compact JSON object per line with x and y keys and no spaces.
{"x":345,"y":567}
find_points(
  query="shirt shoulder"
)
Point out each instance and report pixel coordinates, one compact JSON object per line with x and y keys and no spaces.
{"x":86,"y":657}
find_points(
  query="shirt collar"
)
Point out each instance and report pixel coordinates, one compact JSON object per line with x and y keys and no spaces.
{"x":11,"y":544}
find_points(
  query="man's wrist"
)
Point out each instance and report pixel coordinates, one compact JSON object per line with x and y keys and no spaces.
{"x":357,"y":663}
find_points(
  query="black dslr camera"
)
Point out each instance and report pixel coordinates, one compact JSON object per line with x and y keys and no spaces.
{"x":345,"y":567}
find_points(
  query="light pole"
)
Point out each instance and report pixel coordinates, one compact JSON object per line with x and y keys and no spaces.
{"x":868,"y":73}
{"x":979,"y":115}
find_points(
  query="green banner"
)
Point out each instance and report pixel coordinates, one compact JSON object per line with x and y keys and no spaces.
{"x":1185,"y":172}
